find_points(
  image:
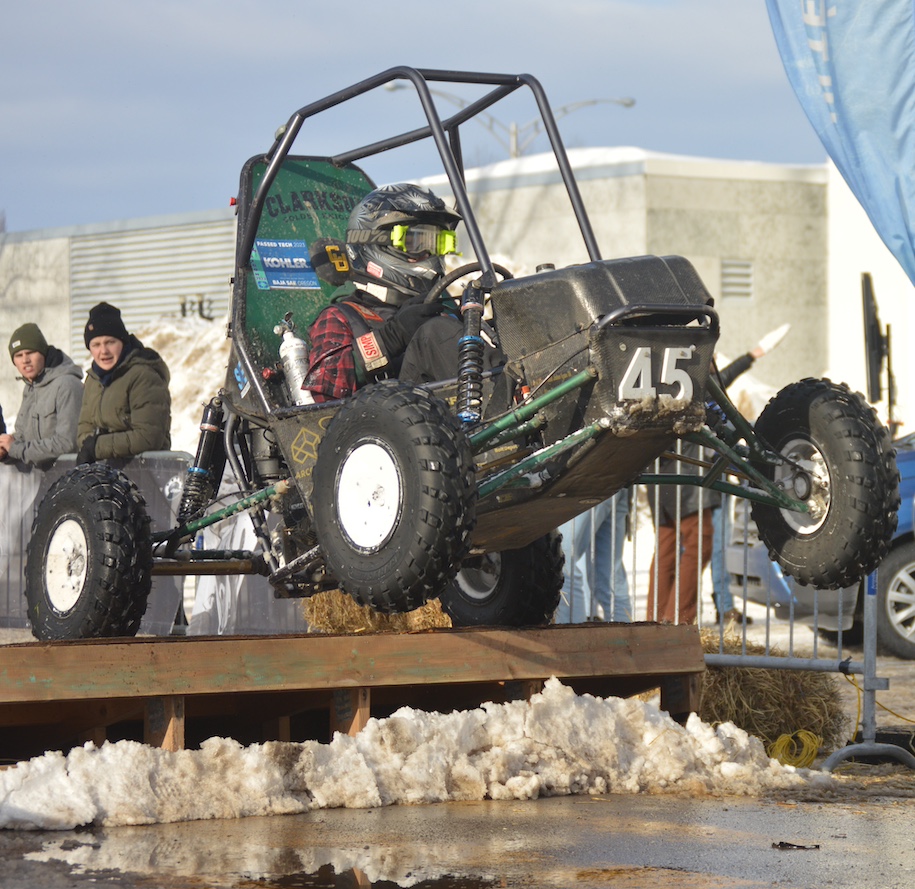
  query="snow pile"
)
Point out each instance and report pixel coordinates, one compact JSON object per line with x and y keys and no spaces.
{"x":557,"y":743}
{"x":197,"y":352}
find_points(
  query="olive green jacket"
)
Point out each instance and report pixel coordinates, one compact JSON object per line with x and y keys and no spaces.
{"x":132,"y":413}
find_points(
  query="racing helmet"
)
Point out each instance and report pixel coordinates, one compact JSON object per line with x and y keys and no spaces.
{"x":396,"y":237}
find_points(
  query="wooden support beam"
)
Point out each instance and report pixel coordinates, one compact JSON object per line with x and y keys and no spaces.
{"x":277,"y":729}
{"x":350,"y":710}
{"x":163,"y":722}
{"x":680,"y":695}
{"x":522,"y":689}
{"x":96,"y":735}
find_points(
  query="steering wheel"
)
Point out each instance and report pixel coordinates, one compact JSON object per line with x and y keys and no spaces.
{"x":439,"y":287}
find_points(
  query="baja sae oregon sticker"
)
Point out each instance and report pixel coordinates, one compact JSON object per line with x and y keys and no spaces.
{"x":283,"y":265}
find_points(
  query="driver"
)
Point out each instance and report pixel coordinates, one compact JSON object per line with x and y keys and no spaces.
{"x":395,"y":240}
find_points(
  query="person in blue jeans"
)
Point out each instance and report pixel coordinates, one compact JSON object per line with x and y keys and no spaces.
{"x":725,"y":611}
{"x":721,"y":583}
{"x":596,"y":539}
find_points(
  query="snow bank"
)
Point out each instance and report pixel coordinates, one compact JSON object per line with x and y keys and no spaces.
{"x":196,"y":351}
{"x":557,"y":743}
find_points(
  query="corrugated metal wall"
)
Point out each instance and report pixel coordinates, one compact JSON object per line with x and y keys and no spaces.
{"x":148,"y":272}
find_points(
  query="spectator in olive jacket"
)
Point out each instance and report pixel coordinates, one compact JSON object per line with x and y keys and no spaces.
{"x":126,"y":403}
{"x":46,"y":421}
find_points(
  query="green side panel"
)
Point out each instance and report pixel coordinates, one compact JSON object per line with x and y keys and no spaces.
{"x":309,"y":199}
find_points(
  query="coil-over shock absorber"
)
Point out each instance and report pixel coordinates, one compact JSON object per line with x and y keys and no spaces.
{"x":470,"y":356}
{"x":206,"y":471}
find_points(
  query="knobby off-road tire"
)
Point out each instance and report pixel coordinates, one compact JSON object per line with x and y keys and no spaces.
{"x":89,"y":560}
{"x":847,"y":476}
{"x":394,"y":496}
{"x":512,"y":588}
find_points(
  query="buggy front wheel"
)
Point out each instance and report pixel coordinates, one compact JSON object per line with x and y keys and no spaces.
{"x":89,"y":559}
{"x":837,"y":458}
{"x":394,"y":496}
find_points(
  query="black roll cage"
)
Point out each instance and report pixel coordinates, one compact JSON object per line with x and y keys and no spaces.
{"x":446,"y":135}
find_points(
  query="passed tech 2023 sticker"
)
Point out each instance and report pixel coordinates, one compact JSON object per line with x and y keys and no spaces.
{"x":283,"y":265}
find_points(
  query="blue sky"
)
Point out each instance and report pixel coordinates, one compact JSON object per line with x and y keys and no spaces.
{"x":112,"y":109}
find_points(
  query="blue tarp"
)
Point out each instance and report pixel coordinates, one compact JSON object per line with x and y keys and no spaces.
{"x":852,"y":65}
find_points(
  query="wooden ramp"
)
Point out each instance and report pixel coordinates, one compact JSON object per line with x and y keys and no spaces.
{"x":175,"y":692}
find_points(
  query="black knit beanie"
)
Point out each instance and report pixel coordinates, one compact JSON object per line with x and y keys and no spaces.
{"x":28,"y":337}
{"x":105,"y":320}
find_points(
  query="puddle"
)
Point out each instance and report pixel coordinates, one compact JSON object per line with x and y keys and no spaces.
{"x":261,"y":852}
{"x":328,"y":878}
{"x":590,"y":843}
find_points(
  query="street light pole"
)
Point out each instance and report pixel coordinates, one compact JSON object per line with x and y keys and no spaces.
{"x":517,"y":138}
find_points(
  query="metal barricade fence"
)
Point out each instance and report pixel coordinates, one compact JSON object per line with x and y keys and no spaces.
{"x":727,"y":584}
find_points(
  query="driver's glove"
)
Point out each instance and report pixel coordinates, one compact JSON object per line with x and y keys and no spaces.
{"x":396,"y":332}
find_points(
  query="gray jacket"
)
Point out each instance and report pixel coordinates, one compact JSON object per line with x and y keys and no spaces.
{"x":46,"y":422}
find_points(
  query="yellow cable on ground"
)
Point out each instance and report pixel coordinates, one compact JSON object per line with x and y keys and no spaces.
{"x":799,"y":749}
{"x":877,"y":702}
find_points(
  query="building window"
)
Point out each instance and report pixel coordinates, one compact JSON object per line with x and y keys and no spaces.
{"x":736,"y":278}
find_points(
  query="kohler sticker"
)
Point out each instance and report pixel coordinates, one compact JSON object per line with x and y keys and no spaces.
{"x":283,"y":265}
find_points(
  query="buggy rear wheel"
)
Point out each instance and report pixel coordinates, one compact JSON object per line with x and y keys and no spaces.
{"x":512,"y":588}
{"x":89,"y":559}
{"x":394,"y":496}
{"x":838,"y":459}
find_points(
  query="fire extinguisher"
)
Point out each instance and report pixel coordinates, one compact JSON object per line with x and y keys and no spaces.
{"x":294,"y":358}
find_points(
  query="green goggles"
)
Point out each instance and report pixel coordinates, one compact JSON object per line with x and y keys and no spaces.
{"x":424,"y":240}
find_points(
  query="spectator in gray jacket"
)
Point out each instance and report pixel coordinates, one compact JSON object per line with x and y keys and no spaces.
{"x":46,"y":422}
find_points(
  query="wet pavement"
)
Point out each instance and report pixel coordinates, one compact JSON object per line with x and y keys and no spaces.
{"x":627,"y":841}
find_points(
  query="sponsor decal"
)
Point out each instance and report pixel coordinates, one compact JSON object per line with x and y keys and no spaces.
{"x":371,"y":353}
{"x":309,"y":201}
{"x":283,"y":265}
{"x":304,"y":446}
{"x":241,"y":378}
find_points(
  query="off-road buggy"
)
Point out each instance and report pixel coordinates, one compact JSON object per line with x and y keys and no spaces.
{"x":401,"y":493}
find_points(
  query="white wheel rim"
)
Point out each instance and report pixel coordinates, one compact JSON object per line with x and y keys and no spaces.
{"x":66,"y":565}
{"x":479,"y":582}
{"x":807,"y":479}
{"x":369,"y":496}
{"x":900,"y":603}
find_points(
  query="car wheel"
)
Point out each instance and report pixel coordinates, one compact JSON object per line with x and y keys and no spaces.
{"x":839,"y":460}
{"x":512,"y":588}
{"x":394,"y":496}
{"x":896,"y":602}
{"x":89,"y":560}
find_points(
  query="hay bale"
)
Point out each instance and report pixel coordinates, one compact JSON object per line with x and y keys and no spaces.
{"x":770,"y":703}
{"x":336,"y":612}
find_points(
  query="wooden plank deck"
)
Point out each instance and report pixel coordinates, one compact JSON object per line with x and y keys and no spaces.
{"x":175,"y":691}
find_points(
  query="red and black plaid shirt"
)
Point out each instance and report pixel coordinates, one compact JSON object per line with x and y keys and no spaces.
{"x":331,"y":363}
{"x":331,"y":367}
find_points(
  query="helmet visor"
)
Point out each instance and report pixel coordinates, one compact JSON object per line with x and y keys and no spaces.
{"x":424,"y":240}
